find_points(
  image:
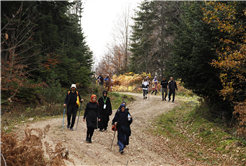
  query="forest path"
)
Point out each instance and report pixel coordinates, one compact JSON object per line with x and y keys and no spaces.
{"x":143,"y":149}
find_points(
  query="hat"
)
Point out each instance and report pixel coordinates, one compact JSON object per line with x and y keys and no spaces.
{"x":122,"y":105}
{"x":73,"y":86}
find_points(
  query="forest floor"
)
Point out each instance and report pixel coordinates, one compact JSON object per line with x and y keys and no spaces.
{"x":144,"y":147}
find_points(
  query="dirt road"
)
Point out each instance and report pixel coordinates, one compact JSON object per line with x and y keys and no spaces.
{"x":144,"y":148}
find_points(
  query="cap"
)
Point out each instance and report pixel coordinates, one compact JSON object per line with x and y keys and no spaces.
{"x":73,"y":86}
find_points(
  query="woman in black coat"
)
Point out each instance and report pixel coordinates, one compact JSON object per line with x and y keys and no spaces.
{"x":122,"y":121}
{"x":105,"y":110}
{"x":91,"y":114}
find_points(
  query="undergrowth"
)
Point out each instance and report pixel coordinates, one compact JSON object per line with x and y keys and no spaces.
{"x":30,"y":151}
{"x":196,"y":136}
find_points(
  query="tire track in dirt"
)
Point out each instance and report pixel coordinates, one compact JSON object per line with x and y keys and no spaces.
{"x":140,"y":151}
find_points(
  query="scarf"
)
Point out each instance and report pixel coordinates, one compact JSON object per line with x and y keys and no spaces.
{"x":92,"y":98}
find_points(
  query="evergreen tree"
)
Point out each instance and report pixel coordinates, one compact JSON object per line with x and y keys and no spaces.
{"x":192,"y":53}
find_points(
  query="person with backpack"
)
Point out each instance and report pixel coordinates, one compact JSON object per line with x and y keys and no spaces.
{"x":105,"y":110}
{"x":107,"y":83}
{"x":164,"y":85}
{"x":145,"y":86}
{"x":92,"y":116}
{"x":122,"y":122}
{"x":171,"y":88}
{"x":72,"y":101}
{"x":154,"y":85}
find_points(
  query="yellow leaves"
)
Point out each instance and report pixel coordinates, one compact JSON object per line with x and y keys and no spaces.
{"x":6,"y":36}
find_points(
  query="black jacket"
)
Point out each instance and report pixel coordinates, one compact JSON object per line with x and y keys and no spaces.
{"x":123,"y":124}
{"x":68,"y":98}
{"x":108,"y":110}
{"x":164,"y":84}
{"x":172,"y":85}
{"x":91,"y":114}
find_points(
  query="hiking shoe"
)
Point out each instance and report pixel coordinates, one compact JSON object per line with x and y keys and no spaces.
{"x":68,"y":126}
{"x":71,"y":129}
{"x":162,"y":99}
{"x":101,"y":130}
{"x":89,"y":140}
{"x":173,"y":101}
{"x":121,"y":151}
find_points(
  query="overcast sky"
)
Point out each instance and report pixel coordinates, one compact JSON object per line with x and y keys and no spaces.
{"x":98,"y":19}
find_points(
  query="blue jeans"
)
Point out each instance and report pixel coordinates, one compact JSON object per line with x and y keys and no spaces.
{"x":121,"y":145}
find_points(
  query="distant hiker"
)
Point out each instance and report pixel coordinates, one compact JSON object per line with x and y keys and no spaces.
{"x":92,"y":116}
{"x":72,"y":105}
{"x":164,"y":85}
{"x":107,"y":83}
{"x":171,"y":88}
{"x":122,"y":121}
{"x":145,"y":87}
{"x":105,"y":110}
{"x":149,"y":89}
{"x":101,"y":80}
{"x":98,"y":79}
{"x":154,"y":85}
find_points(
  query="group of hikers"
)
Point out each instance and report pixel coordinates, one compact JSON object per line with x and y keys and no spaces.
{"x":97,"y":115}
{"x":166,"y":87}
{"x":108,"y":82}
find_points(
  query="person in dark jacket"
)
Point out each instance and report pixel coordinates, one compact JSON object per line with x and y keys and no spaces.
{"x":164,"y":85}
{"x":105,"y":110}
{"x":122,"y":121}
{"x":70,"y":102}
{"x":101,"y":80}
{"x":92,"y":116}
{"x":171,"y":88}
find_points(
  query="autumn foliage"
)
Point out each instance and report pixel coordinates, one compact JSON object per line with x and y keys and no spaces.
{"x":30,"y":150}
{"x":229,"y":20}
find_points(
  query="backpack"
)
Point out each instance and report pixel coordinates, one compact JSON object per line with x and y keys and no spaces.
{"x":77,"y":101}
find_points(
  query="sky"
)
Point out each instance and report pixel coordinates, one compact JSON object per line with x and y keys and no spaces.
{"x":98,"y":19}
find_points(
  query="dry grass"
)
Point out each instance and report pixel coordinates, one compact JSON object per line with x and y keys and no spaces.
{"x":29,"y":151}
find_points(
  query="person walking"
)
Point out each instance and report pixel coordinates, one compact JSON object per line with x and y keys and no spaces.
{"x":105,"y":110}
{"x":154,"y":85}
{"x":145,"y":86}
{"x":92,"y":116}
{"x":164,"y":85}
{"x":171,"y":88}
{"x":72,"y":105}
{"x":122,"y":121}
{"x":101,"y":80}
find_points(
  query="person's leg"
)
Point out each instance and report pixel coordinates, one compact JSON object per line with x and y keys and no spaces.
{"x":155,"y":91}
{"x":91,"y":131}
{"x":106,"y":122}
{"x":88,"y":135}
{"x":143,"y":93}
{"x":165,"y":90}
{"x":69,"y":109}
{"x":74,"y":112}
{"x":173,"y":95}
{"x":169,"y":95}
{"x":162,"y":93}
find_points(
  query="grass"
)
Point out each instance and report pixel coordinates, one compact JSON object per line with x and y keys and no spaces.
{"x":199,"y":138}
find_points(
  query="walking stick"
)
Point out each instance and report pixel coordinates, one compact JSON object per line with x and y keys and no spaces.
{"x":78,"y":115}
{"x":113,"y":140}
{"x":63,"y":118}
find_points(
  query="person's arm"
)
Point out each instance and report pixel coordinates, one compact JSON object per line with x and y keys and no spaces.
{"x":98,"y":115}
{"x":115,"y":118}
{"x":86,"y":111}
{"x":110,"y":107}
{"x":129,"y":122}
{"x":66,"y":99}
{"x":80,"y":99}
{"x":176,"y":86}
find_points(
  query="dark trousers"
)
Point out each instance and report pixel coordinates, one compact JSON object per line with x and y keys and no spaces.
{"x":162,"y":92}
{"x":172,"y":91}
{"x":90,"y":131}
{"x":154,"y":91}
{"x":145,"y":92}
{"x":71,"y":110}
{"x":103,"y":123}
